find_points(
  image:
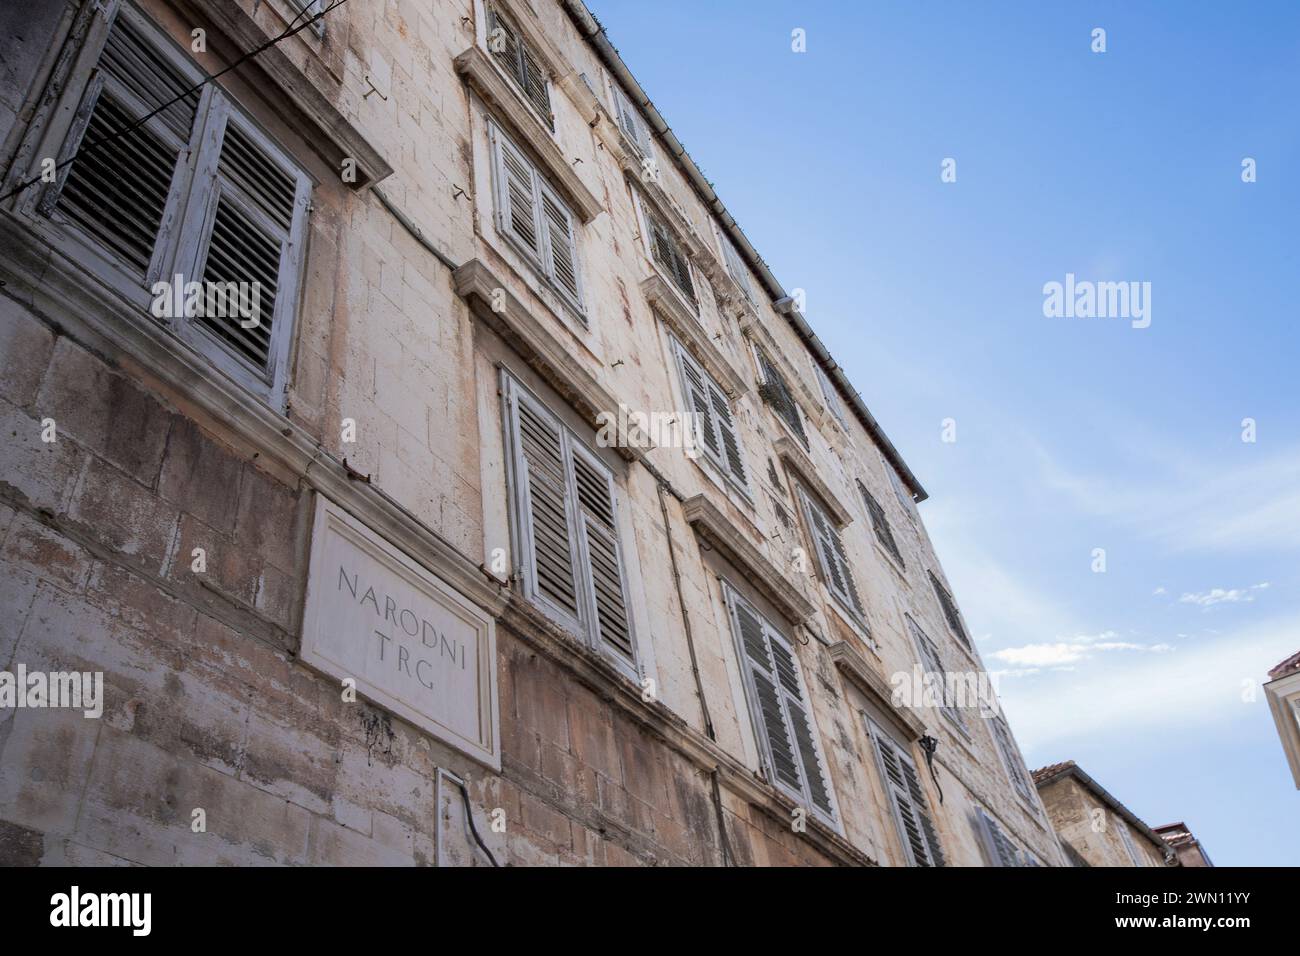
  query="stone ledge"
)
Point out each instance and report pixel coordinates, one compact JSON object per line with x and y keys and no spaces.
{"x":686,"y":326}
{"x":798,"y":461}
{"x":858,"y":671}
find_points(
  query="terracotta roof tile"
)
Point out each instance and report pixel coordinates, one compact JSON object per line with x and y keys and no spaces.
{"x":1292,"y":663}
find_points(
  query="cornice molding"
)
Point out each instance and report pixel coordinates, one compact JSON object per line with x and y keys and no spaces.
{"x":686,"y":326}
{"x":858,"y":671}
{"x":790,"y":452}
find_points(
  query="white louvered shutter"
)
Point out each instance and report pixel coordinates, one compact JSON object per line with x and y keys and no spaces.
{"x":733,"y":459}
{"x":998,"y":847}
{"x":907,"y":798}
{"x":517,"y":196}
{"x":717,"y":433}
{"x":634,"y":127}
{"x":905,"y":499}
{"x":520,"y":62}
{"x":594,"y":488}
{"x":668,"y":255}
{"x":561,"y":247}
{"x":830,"y":550}
{"x":934,"y":665}
{"x":736,"y":266}
{"x":252,"y":236}
{"x":800,"y":722}
{"x":118,"y":192}
{"x":830,"y":395}
{"x":542,"y":492}
{"x":777,"y":394}
{"x":1127,"y":837}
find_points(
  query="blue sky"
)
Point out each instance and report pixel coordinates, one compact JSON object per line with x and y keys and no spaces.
{"x":1072,"y":434}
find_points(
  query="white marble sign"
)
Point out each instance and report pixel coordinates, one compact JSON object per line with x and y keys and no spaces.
{"x":413,"y":644}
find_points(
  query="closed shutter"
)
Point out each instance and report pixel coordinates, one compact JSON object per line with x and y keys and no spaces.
{"x":716,"y":427}
{"x":566,"y":521}
{"x":999,"y":849}
{"x":250,"y":243}
{"x":546,"y":528}
{"x":830,"y":395}
{"x":884,"y":534}
{"x":1011,"y":760}
{"x":830,"y":550}
{"x":934,"y":664}
{"x":668,"y":255}
{"x":905,"y":499}
{"x":520,"y":62}
{"x":777,"y":394}
{"x":517,"y":196}
{"x":907,"y":798}
{"x":595,"y":496}
{"x":949,"y":609}
{"x":560,"y":245}
{"x":117,"y":192}
{"x":634,"y":127}
{"x":788,"y":743}
{"x":736,"y":266}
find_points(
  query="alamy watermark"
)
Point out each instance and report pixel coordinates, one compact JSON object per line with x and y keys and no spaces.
{"x":1085,"y":299}
{"x":637,"y":429}
{"x":53,"y":689}
{"x":960,"y":690}
{"x":212,"y":300}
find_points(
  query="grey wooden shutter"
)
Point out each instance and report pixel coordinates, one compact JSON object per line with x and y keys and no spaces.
{"x":517,"y":196}
{"x":934,"y":665}
{"x":949,"y":609}
{"x":716,"y":427}
{"x":907,"y":799}
{"x":546,"y":522}
{"x":520,"y":62}
{"x":733,"y":458}
{"x":830,"y":549}
{"x":594,"y":488}
{"x":736,"y":266}
{"x":800,"y":721}
{"x":1011,"y":760}
{"x":667,"y":253}
{"x":880,"y":524}
{"x":561,"y":246}
{"x":634,"y":127}
{"x":904,"y":497}
{"x":778,"y":752}
{"x":253,"y":235}
{"x":117,"y":192}
{"x":998,"y":847}
{"x":777,"y":394}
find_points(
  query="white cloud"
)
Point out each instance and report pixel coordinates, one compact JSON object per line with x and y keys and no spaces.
{"x":1223,"y":596}
{"x":1061,"y":653}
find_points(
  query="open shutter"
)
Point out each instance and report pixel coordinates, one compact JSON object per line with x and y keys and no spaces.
{"x":777,"y":394}
{"x":517,"y":196}
{"x":546,"y":528}
{"x":834,"y":562}
{"x":594,"y":488}
{"x":534,"y":84}
{"x":800,"y":721}
{"x":668,"y":255}
{"x":880,"y":524}
{"x":779,"y":753}
{"x":117,"y":192}
{"x":523,"y":65}
{"x":694,"y":384}
{"x":733,"y":460}
{"x":560,"y":245}
{"x":911,"y":811}
{"x":253,"y":240}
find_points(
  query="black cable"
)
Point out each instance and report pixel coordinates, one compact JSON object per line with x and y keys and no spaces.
{"x":469,"y":815}
{"x":289,"y":31}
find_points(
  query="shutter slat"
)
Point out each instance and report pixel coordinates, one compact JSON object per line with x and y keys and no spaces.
{"x":559,"y":232}
{"x":547,"y":496}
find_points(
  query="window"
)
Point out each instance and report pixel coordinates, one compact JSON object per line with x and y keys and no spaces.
{"x":1011,"y":760}
{"x":520,"y":62}
{"x":736,"y":266}
{"x":830,"y":395}
{"x":836,"y":572}
{"x":667,"y":253}
{"x":934,"y":665}
{"x":778,"y":704}
{"x":884,"y":534}
{"x":902,"y":494}
{"x":949,"y":609}
{"x":907,"y":800}
{"x":716,"y":429}
{"x":306,"y":9}
{"x":778,"y":396}
{"x":999,"y":849}
{"x":196,"y":193}
{"x":1127,"y":837}
{"x":564,"y":510}
{"x":531,"y":214}
{"x":633,"y":125}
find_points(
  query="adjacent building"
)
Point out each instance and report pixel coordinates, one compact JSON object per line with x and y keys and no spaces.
{"x":400,"y":427}
{"x":1283,"y":693}
{"x":1186,"y":847}
{"x":1095,"y":829}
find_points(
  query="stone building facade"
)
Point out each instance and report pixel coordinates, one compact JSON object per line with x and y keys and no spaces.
{"x":1096,"y":829}
{"x":1282,"y":689}
{"x":516,"y":515}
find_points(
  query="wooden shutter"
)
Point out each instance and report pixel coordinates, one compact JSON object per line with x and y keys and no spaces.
{"x":949,"y":608}
{"x":800,"y":721}
{"x":736,"y":266}
{"x":668,"y":255}
{"x":880,"y":524}
{"x":904,"y":497}
{"x":634,"y":127}
{"x":1011,"y":760}
{"x":595,"y":497}
{"x":907,"y":799}
{"x":717,"y":429}
{"x":118,"y":192}
{"x":998,"y":847}
{"x":517,"y":196}
{"x":253,"y":236}
{"x":546,"y":525}
{"x":519,"y":60}
{"x":830,"y":549}
{"x":934,"y":664}
{"x":777,"y":394}
{"x":830,"y":395}
{"x":561,"y":247}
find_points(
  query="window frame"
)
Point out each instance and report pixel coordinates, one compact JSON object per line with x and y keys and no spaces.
{"x":640,"y":137}
{"x":948,"y":608}
{"x":923,"y":815}
{"x":493,"y":11}
{"x":719,"y":460}
{"x":831,"y":397}
{"x":850,"y":599}
{"x":648,"y":216}
{"x":770,"y":375}
{"x":184,"y":229}
{"x":880,"y":527}
{"x":929,"y":654}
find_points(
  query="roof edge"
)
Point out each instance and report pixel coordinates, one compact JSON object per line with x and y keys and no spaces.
{"x":1072,"y":769}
